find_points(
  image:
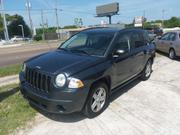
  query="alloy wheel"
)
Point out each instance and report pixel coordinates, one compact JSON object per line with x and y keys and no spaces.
{"x":148,"y":69}
{"x":99,"y":99}
{"x":171,"y":54}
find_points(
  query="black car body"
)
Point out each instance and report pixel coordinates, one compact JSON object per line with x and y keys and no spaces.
{"x":124,"y":58}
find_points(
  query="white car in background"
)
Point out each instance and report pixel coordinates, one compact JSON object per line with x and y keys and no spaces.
{"x":2,"y":42}
{"x":17,"y":38}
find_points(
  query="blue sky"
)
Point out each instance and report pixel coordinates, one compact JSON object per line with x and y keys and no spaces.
{"x":85,"y":9}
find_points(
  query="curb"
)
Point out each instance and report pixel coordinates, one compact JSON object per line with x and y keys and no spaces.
{"x":8,"y":46}
{"x":9,"y":80}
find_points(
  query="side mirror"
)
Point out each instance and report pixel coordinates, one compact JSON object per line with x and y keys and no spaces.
{"x":118,"y":53}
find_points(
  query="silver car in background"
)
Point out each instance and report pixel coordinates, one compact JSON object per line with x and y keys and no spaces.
{"x":169,"y":43}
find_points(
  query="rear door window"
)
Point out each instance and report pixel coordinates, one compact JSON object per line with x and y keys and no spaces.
{"x":165,"y":37}
{"x":172,"y":36}
{"x":146,"y":37}
{"x":137,"y":40}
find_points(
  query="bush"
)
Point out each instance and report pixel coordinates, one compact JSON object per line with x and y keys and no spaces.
{"x":38,"y":37}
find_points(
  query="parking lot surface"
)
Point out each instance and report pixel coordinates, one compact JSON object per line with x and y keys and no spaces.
{"x":142,"y":108}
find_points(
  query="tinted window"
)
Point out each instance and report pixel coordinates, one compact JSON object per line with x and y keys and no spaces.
{"x":91,"y":43}
{"x":146,"y":36}
{"x":76,"y":41}
{"x":136,"y":40}
{"x":172,"y":37}
{"x":165,"y":36}
{"x":122,"y":43}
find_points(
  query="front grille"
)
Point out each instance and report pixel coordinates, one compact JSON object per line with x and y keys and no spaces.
{"x":38,"y":80}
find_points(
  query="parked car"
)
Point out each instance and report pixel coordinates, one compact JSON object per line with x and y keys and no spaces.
{"x":169,"y":43}
{"x":17,"y":38}
{"x":151,"y":35}
{"x":2,"y":42}
{"x":83,"y":72}
{"x":154,"y":33}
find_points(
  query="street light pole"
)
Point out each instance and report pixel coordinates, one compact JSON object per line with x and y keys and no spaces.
{"x":6,"y":34}
{"x":28,"y":4}
{"x":22,"y":28}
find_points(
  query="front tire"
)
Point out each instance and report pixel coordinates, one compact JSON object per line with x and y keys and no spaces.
{"x":97,"y":101}
{"x":172,"y":54}
{"x":147,"y":71}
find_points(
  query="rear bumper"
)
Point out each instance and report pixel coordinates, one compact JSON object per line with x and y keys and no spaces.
{"x":63,"y":102}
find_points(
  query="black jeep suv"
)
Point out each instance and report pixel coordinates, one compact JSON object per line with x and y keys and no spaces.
{"x":83,"y":72}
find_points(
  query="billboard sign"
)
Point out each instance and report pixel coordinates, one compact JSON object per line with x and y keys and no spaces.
{"x":138,"y":21}
{"x":107,"y":10}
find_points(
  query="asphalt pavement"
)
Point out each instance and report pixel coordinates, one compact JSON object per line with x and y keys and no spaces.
{"x":18,"y":54}
{"x":142,"y":108}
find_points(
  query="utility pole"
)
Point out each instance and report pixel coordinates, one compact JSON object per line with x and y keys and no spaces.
{"x":163,"y":11}
{"x":57,"y":18}
{"x":28,"y":4}
{"x":144,"y":18}
{"x":57,"y":22}
{"x":6,"y":34}
{"x":42,"y":19}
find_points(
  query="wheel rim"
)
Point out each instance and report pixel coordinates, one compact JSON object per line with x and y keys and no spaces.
{"x":99,"y":99}
{"x":171,"y":54}
{"x":148,"y":69}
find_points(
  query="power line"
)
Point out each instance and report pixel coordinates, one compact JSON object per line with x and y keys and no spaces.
{"x":52,"y":9}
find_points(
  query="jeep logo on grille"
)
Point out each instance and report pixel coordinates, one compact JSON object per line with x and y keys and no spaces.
{"x":38,"y":67}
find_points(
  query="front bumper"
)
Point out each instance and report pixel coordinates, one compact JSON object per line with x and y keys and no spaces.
{"x":61,"y":101}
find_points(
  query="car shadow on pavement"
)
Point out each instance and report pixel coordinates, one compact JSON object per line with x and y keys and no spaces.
{"x":165,"y":54}
{"x":8,"y":93}
{"x":76,"y":117}
{"x":124,"y":89}
{"x":66,"y":118}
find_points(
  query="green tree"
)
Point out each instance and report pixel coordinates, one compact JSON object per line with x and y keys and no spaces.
{"x":13,"y":26}
{"x":70,"y":27}
{"x":173,"y":22}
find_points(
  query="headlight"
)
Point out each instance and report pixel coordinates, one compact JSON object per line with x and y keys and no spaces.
{"x":60,"y":80}
{"x":75,"y":83}
{"x":24,"y":67}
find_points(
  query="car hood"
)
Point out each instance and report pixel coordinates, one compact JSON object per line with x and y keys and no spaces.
{"x":56,"y":62}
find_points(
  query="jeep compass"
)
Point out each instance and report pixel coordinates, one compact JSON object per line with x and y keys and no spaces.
{"x":81,"y":74}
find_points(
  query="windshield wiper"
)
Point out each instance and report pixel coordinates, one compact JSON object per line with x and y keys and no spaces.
{"x":79,"y":51}
{"x":64,"y":49}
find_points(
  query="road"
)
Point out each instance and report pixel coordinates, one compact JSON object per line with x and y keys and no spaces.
{"x":142,"y":108}
{"x":15,"y":55}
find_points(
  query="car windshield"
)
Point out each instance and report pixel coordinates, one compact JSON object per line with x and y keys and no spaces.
{"x":88,"y":43}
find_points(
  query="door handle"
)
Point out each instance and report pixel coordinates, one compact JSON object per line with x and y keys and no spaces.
{"x":171,"y":43}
